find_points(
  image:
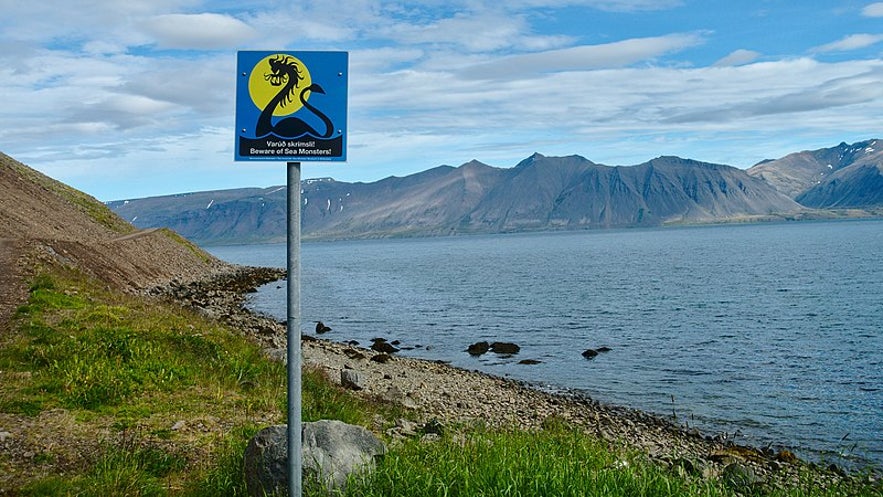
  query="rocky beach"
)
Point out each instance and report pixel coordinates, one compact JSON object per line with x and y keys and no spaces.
{"x":439,"y":393}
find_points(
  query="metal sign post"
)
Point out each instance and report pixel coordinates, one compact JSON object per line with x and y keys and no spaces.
{"x":295,"y":430}
{"x":292,"y":106}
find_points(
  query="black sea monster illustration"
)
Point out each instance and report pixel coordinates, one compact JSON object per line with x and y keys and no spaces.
{"x":286,"y":73}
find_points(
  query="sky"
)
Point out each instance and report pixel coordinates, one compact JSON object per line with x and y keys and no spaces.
{"x":137,"y":98}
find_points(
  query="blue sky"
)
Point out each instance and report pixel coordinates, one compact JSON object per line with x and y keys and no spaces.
{"x":136,"y":98}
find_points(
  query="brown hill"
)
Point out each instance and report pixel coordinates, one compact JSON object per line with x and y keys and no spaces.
{"x":44,"y":220}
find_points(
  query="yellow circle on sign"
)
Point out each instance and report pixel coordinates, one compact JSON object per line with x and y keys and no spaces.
{"x":278,"y":80}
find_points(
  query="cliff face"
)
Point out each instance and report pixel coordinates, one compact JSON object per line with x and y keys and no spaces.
{"x":45,"y":219}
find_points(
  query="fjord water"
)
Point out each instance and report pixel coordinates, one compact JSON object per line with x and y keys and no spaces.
{"x":769,"y":333}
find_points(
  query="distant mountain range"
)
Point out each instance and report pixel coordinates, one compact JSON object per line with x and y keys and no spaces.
{"x":540,"y":193}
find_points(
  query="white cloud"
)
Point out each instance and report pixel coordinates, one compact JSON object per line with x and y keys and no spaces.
{"x":776,"y":92}
{"x":296,"y":26}
{"x":605,"y":5}
{"x":198,"y":31}
{"x":585,"y":57}
{"x":482,"y":32}
{"x":738,"y":58}
{"x":873,"y":10}
{"x":634,"y":5}
{"x":851,"y":42}
{"x":579,"y":105}
{"x":203,"y":86}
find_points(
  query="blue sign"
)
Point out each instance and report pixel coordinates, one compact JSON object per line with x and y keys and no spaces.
{"x":291,"y":106}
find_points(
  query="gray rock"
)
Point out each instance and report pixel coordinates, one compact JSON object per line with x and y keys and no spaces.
{"x":739,"y":476}
{"x":332,"y":450}
{"x":265,"y":463}
{"x":350,"y":379}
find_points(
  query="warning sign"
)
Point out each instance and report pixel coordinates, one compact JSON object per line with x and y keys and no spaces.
{"x":291,"y":106}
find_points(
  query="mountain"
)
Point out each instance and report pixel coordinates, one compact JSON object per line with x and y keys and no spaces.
{"x":44,"y":220}
{"x":539,"y":193}
{"x":856,"y":186}
{"x":571,"y":192}
{"x":845,"y":176}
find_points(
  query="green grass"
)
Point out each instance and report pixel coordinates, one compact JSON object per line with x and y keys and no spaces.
{"x":89,"y":352}
{"x":556,"y":462}
{"x":130,"y":368}
{"x":119,"y":471}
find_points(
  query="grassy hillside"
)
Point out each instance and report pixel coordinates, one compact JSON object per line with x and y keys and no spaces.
{"x":112,"y":394}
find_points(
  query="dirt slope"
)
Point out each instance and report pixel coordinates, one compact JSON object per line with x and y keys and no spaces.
{"x":44,"y":220}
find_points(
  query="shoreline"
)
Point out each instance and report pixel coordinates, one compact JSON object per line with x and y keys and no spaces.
{"x":437,"y":391}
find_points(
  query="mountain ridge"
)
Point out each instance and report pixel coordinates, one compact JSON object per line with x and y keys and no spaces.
{"x":537,"y":193}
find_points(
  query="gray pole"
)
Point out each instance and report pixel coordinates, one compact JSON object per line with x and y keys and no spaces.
{"x":295,"y":431}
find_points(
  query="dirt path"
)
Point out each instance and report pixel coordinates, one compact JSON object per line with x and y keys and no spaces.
{"x":137,"y":234}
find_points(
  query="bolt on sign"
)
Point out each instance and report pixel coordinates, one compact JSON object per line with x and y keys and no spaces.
{"x":291,"y":106}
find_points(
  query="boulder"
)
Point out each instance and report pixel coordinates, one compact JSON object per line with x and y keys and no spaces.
{"x":350,"y":379}
{"x":265,"y":463}
{"x":383,"y":346}
{"x":505,"y":348}
{"x":332,"y":450}
{"x":478,"y":348}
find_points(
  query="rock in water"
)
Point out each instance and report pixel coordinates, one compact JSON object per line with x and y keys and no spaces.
{"x":383,"y":346}
{"x":505,"y":348}
{"x":590,"y":353}
{"x":322,"y":328}
{"x":478,"y":348}
{"x":332,"y":450}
